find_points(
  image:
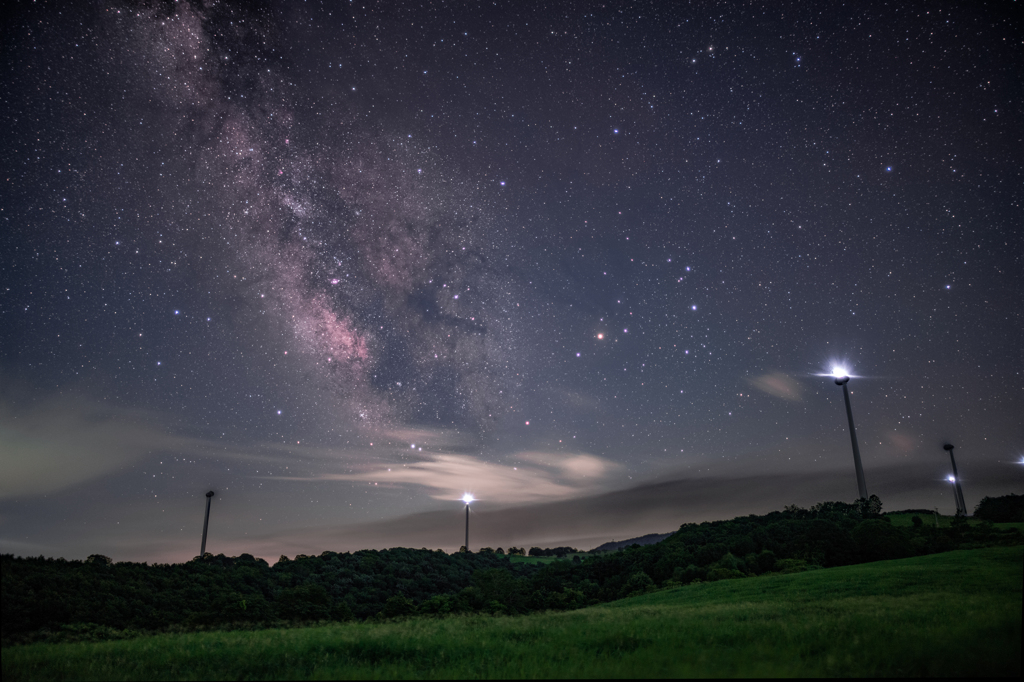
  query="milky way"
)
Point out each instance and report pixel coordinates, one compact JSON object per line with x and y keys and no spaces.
{"x":369,"y":252}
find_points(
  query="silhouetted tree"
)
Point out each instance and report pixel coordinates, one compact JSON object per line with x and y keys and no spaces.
{"x":870,"y":508}
{"x":1008,"y":508}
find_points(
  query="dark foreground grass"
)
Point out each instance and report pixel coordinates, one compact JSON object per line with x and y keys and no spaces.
{"x":957,"y":613}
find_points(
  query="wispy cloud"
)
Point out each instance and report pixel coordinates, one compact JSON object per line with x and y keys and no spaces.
{"x":537,"y":476}
{"x":62,"y":442}
{"x":779,"y":385}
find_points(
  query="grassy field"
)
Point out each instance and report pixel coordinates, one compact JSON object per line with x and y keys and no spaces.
{"x":952,"y":614}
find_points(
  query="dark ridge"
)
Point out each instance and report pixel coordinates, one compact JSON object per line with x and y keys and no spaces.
{"x":643,"y":540}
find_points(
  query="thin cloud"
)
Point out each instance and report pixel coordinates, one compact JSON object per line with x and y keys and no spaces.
{"x":779,"y":385}
{"x":63,"y":442}
{"x":403,"y":445}
{"x":447,"y":476}
{"x":425,"y":437}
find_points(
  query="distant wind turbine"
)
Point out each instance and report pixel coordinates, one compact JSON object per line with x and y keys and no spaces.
{"x":206,"y":524}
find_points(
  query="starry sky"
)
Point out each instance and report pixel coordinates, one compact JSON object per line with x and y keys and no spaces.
{"x":343,"y":262}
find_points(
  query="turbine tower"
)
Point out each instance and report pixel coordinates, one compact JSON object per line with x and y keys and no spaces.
{"x":467,"y":498}
{"x":842,"y":378}
{"x":958,"y":493}
{"x":206,"y":524}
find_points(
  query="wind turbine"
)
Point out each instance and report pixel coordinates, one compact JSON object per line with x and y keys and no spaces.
{"x":467,"y":498}
{"x":206,"y":523}
{"x":842,"y":377}
{"x":958,"y":493}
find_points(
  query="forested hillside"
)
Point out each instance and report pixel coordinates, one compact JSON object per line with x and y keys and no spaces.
{"x":57,"y":599}
{"x":1008,"y":508}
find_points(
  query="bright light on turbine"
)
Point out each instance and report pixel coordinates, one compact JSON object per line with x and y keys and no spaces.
{"x":467,"y":498}
{"x":841,"y":378}
{"x":951,"y":479}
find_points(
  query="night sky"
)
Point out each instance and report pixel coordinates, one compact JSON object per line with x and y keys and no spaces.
{"x":343,"y":262}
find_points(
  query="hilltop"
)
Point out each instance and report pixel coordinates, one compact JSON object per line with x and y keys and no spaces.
{"x":649,"y":539}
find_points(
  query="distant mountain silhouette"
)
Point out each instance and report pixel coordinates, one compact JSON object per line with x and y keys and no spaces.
{"x":649,"y":539}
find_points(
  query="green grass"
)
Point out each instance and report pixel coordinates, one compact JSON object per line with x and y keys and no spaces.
{"x":1019,"y":525}
{"x":952,"y":614}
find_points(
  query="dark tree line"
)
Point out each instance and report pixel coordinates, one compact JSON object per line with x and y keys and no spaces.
{"x":554,"y":551}
{"x":57,"y":599}
{"x":1001,"y":509}
{"x":41,"y":593}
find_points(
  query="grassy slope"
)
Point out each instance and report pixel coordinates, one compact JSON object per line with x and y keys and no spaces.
{"x":957,"y":613}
